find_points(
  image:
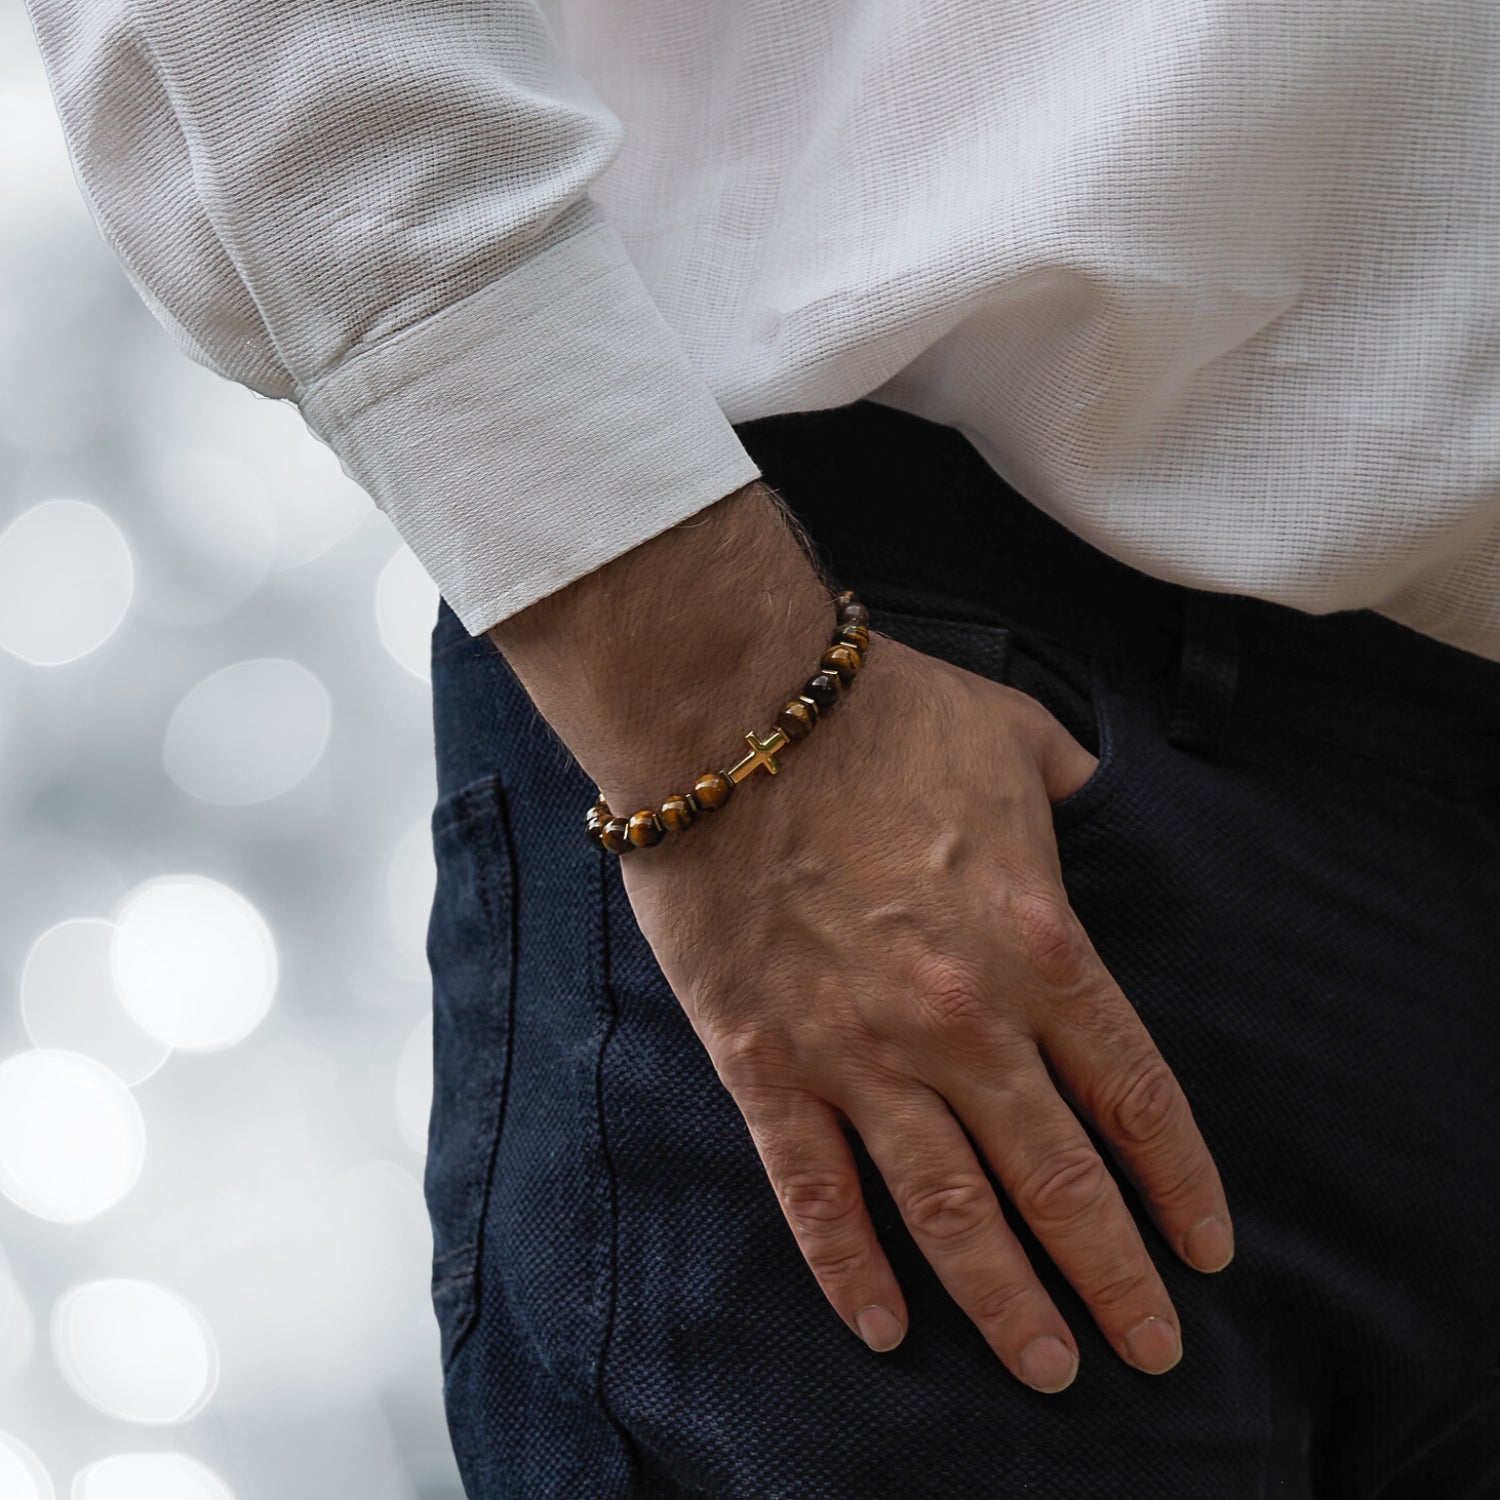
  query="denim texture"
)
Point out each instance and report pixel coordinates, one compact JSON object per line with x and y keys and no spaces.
{"x":1299,"y":892}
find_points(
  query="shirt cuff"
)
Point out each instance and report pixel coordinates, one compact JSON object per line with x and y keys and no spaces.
{"x":526,"y":435}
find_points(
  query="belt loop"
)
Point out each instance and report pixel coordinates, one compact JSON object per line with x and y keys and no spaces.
{"x":1207,"y":671}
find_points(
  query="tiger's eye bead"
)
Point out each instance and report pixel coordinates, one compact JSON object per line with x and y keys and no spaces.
{"x":854,"y":635}
{"x":796,"y":719}
{"x":643,"y":830}
{"x":853,"y":614}
{"x":712,"y":789}
{"x":677,"y":813}
{"x":844,"y":660}
{"x":823,"y":689}
{"x":615,"y":836}
{"x":598,"y":816}
{"x":848,"y":596}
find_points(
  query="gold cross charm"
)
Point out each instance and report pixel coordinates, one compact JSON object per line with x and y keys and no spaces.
{"x":762,"y":753}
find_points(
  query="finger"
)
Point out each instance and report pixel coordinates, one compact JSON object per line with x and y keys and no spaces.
{"x":1060,"y":1185}
{"x":955,"y":1219}
{"x":1064,"y":765}
{"x":808,"y":1160}
{"x":1104,"y":1056}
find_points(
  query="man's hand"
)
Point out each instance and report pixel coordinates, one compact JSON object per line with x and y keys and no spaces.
{"x":883,"y":937}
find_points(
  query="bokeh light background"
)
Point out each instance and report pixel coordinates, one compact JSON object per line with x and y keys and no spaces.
{"x":215,"y":872}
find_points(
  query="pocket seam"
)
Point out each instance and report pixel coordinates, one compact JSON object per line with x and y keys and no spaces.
{"x":493,"y":857}
{"x":1101,"y":785}
{"x":479,"y":799}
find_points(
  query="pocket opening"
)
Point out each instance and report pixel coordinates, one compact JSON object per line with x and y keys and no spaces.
{"x":1110,"y":729}
{"x":1011,"y":656}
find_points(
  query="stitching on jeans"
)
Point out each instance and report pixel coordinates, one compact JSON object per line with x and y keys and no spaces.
{"x":606,"y":989}
{"x":488,"y":854}
{"x":469,"y":804}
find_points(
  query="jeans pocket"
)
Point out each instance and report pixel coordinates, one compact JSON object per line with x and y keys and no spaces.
{"x":1067,"y":683}
{"x":470,"y":944}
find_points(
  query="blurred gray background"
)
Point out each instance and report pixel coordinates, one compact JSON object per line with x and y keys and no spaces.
{"x":215,"y":785}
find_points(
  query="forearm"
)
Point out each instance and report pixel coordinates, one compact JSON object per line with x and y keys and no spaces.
{"x":652,"y":667}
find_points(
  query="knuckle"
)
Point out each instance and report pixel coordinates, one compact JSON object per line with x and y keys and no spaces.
{"x":839,"y":1270}
{"x":951,"y":1210}
{"x":751,"y":1060}
{"x":814,"y":1201}
{"x":1001,"y":1305}
{"x":1124,"y":1288}
{"x":1066,"y":1185}
{"x":1187,"y":1183}
{"x":1051,"y":938}
{"x":949,"y":992}
{"x":1145,"y":1104}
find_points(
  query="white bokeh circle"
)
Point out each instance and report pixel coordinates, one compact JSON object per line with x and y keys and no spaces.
{"x":149,"y":1476}
{"x":214,"y":541}
{"x":68,"y":1001}
{"x":248,"y":732}
{"x":318,"y":503}
{"x":309,"y":1317}
{"x":22,"y":1476}
{"x":17,"y":1328}
{"x":66,"y":579}
{"x":194,"y":962}
{"x":314,"y":505}
{"x":72,"y":1140}
{"x":135,"y":1350}
{"x":414,"y":1085}
{"x":406,"y":602}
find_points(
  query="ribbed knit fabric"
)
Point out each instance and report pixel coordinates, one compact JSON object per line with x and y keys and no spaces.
{"x":1214,"y":284}
{"x":1303,"y":919}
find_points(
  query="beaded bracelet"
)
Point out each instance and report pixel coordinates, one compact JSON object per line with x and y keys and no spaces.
{"x":840,"y":662}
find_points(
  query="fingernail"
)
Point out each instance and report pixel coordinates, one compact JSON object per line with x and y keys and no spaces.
{"x":1153,"y":1346}
{"x":878,"y":1328}
{"x":1209,"y":1244}
{"x":1048,"y":1365}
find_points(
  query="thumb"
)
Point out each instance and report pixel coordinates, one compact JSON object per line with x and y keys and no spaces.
{"x":1064,"y":763}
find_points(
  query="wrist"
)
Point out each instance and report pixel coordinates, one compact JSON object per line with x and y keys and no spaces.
{"x":652,"y":668}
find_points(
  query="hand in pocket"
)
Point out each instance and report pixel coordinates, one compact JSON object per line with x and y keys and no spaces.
{"x":890,"y":944}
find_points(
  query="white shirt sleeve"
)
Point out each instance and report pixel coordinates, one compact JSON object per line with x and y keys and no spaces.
{"x":380,"y":210}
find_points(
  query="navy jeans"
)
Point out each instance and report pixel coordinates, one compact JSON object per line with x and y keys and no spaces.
{"x":1289,"y":858}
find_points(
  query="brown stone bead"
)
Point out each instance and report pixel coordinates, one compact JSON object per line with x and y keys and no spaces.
{"x":843,"y":659}
{"x":853,"y":614}
{"x":677,"y":813}
{"x":712,"y":789}
{"x":643,"y":830}
{"x":615,"y":836}
{"x":823,"y":689}
{"x":598,"y":816}
{"x":854,"y":635}
{"x":796,"y":720}
{"x":847,"y":597}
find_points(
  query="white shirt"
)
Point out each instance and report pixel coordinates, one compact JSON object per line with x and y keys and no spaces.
{"x":1215,"y":283}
